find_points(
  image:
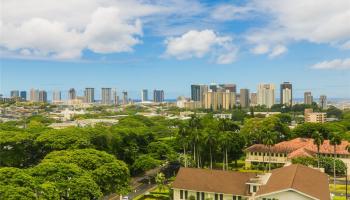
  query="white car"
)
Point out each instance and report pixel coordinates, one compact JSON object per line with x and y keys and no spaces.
{"x":125,"y":198}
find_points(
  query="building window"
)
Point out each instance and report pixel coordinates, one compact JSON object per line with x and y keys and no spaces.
{"x":198,"y":196}
{"x":181,"y":194}
{"x":203,"y":196}
{"x":186,"y":194}
{"x":221,"y":196}
{"x":216,"y":196}
{"x":254,"y":188}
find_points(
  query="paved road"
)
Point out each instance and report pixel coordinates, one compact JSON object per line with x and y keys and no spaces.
{"x":141,"y":189}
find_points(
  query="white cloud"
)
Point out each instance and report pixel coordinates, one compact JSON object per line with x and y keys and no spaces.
{"x":227,"y":12}
{"x":63,"y":29}
{"x":340,"y":64}
{"x":261,"y":49}
{"x":200,"y":43}
{"x":316,"y":21}
{"x":277,"y":51}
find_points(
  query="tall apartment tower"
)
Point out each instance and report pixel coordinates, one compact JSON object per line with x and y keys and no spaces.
{"x":197,"y":92}
{"x":89,"y":95}
{"x":253,"y":99}
{"x":42,"y":96}
{"x":56,"y":96}
{"x":158,"y":96}
{"x":266,"y":94}
{"x":23,"y":95}
{"x":72,"y":94}
{"x":286,"y":94}
{"x":144,"y":95}
{"x":34,"y":95}
{"x":308,"y":99}
{"x":244,"y":98}
{"x":115,"y":97}
{"x":229,"y":86}
{"x":323,"y":101}
{"x":14,"y":94}
{"x":125,"y":98}
{"x":106,"y":96}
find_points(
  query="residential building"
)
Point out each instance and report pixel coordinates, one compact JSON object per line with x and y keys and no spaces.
{"x":253,"y":99}
{"x":89,"y":95}
{"x":323,"y":102}
{"x":283,"y":152}
{"x":294,"y":182}
{"x":23,"y":95}
{"x":219,"y":100}
{"x":144,"y":95}
{"x":125,"y":98}
{"x":213,"y":87}
{"x":314,"y":117}
{"x":308,"y":99}
{"x":197,"y":92}
{"x":34,"y":95}
{"x":115,"y":97}
{"x":229,"y":86}
{"x":244,"y":98}
{"x":286,"y":94}
{"x":14,"y":94}
{"x":158,"y":96}
{"x":106,"y":96}
{"x":56,"y":96}
{"x":42,"y":96}
{"x":72,"y":94}
{"x":266,"y":95}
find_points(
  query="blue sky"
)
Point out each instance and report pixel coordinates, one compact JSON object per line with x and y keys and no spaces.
{"x":131,"y":45}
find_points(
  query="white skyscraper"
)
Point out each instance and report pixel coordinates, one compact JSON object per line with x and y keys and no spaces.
{"x":56,"y":96}
{"x":266,"y":94}
{"x":34,"y":95}
{"x":106,"y":96}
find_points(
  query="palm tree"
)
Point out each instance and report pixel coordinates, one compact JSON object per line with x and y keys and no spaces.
{"x":183,"y":137}
{"x":195,"y":124}
{"x":335,"y":140}
{"x":269,"y":140}
{"x":318,"y":141}
{"x":210,"y":140}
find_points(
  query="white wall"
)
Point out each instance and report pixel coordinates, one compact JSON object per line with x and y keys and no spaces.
{"x":287,"y":195}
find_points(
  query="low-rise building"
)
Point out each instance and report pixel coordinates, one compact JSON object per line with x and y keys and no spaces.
{"x":314,"y":117}
{"x":294,"y":182}
{"x":284,"y":152}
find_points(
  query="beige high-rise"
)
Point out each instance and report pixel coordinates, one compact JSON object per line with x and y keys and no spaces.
{"x":266,"y":95}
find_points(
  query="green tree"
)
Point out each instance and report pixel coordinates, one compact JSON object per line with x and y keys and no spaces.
{"x":318,"y":141}
{"x":160,"y":180}
{"x":270,"y":140}
{"x":144,"y":163}
{"x":335,"y":140}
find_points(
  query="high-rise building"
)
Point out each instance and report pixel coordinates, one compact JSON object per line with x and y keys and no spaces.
{"x":42,"y":96}
{"x":144,"y":95}
{"x":115,"y":97}
{"x":106,"y":95}
{"x":323,"y":101}
{"x":197,"y":92}
{"x":213,"y":87}
{"x":308,"y":99}
{"x":266,"y":95}
{"x":23,"y":95}
{"x":89,"y":95}
{"x":229,"y":86}
{"x":125,"y":98}
{"x":219,"y":100}
{"x":244,"y":98}
{"x":72,"y":94}
{"x":158,"y":96}
{"x":14,"y":94}
{"x":56,"y":96}
{"x":34,"y":95}
{"x":253,"y":99}
{"x":286,"y":94}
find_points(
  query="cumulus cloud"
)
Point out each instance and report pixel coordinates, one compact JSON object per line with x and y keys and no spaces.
{"x":197,"y":44}
{"x":340,"y":64}
{"x":277,"y":50}
{"x":63,"y":29}
{"x":316,"y":21}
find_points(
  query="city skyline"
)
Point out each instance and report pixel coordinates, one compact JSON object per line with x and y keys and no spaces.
{"x":176,"y":43}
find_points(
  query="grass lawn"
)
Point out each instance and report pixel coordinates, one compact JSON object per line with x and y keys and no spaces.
{"x":339,"y":198}
{"x":338,"y":188}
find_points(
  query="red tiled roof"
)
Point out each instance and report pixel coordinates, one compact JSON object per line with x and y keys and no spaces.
{"x":301,"y":147}
{"x":300,"y":178}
